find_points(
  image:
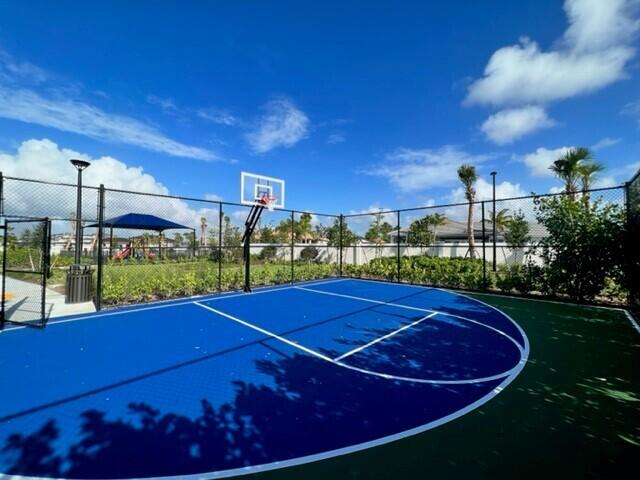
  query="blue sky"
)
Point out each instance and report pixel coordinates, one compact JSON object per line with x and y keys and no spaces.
{"x":357,"y":105}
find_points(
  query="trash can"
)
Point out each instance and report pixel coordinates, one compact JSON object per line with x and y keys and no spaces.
{"x":79,"y":284}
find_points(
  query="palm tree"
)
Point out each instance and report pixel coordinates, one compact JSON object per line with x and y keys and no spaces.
{"x":567,"y":168}
{"x":203,"y":231}
{"x":468,"y":176}
{"x":502,"y":219}
{"x":587,"y":172}
{"x":437,"y":220}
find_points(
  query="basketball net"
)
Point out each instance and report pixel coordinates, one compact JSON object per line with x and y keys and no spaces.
{"x":269,"y":201}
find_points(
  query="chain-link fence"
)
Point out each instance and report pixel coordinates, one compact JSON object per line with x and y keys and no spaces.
{"x":143,"y":247}
{"x":633,"y":216}
{"x":557,"y":245}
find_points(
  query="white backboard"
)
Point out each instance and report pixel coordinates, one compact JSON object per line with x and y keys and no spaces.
{"x":254,"y":186}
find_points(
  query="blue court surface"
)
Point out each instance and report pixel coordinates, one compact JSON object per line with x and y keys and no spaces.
{"x":237,"y":383}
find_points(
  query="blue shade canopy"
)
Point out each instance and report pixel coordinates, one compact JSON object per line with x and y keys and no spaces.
{"x":141,"y":221}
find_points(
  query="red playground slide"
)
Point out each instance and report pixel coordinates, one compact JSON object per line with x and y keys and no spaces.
{"x":121,"y":255}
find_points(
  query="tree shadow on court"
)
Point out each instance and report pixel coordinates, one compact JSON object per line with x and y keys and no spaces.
{"x":313,"y":407}
{"x":443,"y":348}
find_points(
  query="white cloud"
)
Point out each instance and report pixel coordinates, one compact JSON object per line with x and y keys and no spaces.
{"x":360,"y":224}
{"x":592,"y":54}
{"x":12,"y":69}
{"x":605,"y":142}
{"x":604,"y":182}
{"x":411,"y":170}
{"x":539,"y":161}
{"x":633,"y":110}
{"x":484,"y":191}
{"x":167,"y":105}
{"x":54,"y":103}
{"x":335,"y":138}
{"x":509,"y":125}
{"x":524,"y":74}
{"x":81,"y":118}
{"x":598,"y":24}
{"x":632,"y":168}
{"x":219,"y":116}
{"x":46,"y":160}
{"x":212,"y":197}
{"x":282,"y":125}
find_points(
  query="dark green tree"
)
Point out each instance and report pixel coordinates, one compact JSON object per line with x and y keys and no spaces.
{"x":423,"y":231}
{"x":468,"y":176}
{"x":303,"y":227}
{"x":516,"y":230}
{"x":584,"y":248}
{"x":333,"y":235}
{"x":334,"y":238}
{"x":379,"y":231}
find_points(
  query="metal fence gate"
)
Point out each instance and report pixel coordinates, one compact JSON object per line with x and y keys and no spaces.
{"x":25,"y":265}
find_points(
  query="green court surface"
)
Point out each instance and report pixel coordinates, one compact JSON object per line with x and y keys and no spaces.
{"x":573,"y":412}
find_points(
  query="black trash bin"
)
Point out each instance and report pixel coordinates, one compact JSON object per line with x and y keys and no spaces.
{"x":79,"y":284}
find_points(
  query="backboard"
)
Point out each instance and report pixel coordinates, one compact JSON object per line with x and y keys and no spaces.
{"x":253,"y":187}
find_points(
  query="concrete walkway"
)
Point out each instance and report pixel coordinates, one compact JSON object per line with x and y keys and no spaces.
{"x":23,"y":302}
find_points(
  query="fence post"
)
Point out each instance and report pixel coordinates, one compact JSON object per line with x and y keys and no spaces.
{"x":100,"y":252}
{"x":494,"y":234}
{"x":1,"y":193}
{"x":46,"y":261}
{"x":632,"y":296}
{"x":220,"y":213}
{"x":398,"y":245}
{"x":293,"y":239}
{"x":340,"y":247}
{"x":4,"y":273}
{"x":484,"y":251}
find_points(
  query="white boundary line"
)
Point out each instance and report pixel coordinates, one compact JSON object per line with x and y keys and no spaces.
{"x":399,"y":305}
{"x":632,"y":320}
{"x":265,"y":332}
{"x":233,"y":472}
{"x":363,"y":299}
{"x":363,"y":370}
{"x":174,"y":303}
{"x":634,"y":324}
{"x":384,"y":337}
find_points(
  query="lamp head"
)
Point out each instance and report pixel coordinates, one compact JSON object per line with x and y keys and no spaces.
{"x":493,"y":174}
{"x":79,"y":164}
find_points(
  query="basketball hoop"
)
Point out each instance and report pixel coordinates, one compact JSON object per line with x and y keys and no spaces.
{"x":269,"y":202}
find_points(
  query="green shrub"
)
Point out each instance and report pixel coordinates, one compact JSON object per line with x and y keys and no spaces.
{"x":309,"y":254}
{"x":584,"y":247}
{"x":268,"y":253}
{"x":448,"y":272}
{"x":133,"y":282}
{"x":518,"y":278}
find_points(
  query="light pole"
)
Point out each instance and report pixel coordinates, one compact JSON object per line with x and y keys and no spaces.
{"x":80,"y":166}
{"x":493,"y":219}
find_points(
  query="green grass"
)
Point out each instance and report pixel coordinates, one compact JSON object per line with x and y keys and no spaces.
{"x":573,"y":412}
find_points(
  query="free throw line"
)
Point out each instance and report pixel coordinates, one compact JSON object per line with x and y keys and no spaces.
{"x":384,"y":337}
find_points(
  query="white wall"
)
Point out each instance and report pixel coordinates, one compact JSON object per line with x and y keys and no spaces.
{"x":362,"y":254}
